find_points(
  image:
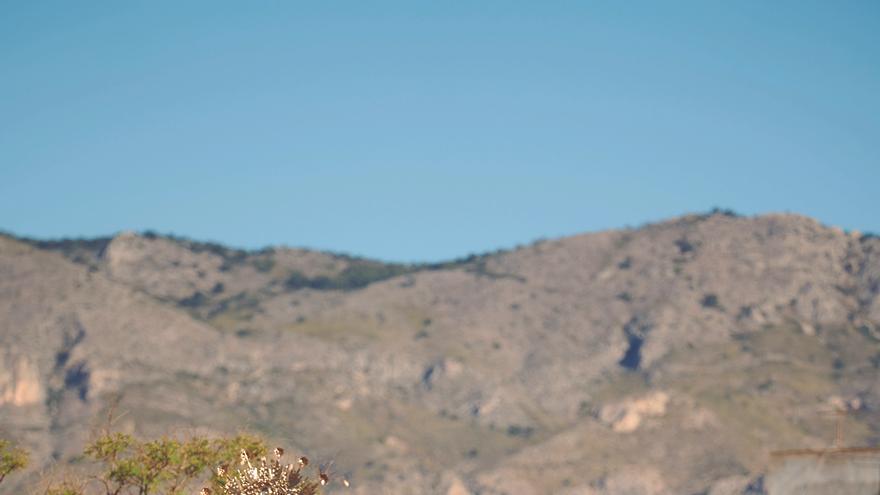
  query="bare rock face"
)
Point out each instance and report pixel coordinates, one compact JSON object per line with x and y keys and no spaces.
{"x":457,"y":487}
{"x":20,"y":383}
{"x":635,"y":481}
{"x":161,"y":267}
{"x":666,"y":359}
{"x":626,"y":416}
{"x":733,"y":485}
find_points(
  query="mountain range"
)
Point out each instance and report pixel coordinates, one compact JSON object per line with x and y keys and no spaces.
{"x":666,"y":359}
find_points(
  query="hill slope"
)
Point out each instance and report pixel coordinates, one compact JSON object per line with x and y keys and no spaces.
{"x":666,"y":359}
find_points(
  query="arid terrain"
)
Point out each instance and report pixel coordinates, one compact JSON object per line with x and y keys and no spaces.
{"x":666,"y":359}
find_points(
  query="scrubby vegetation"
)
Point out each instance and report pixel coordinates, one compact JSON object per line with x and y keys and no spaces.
{"x":268,"y":477}
{"x":166,"y":465}
{"x":12,"y":458}
{"x":358,"y":274}
{"x":125,"y":465}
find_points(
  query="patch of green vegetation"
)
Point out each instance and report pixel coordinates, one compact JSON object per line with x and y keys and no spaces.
{"x":622,"y":240}
{"x":768,"y":388}
{"x":79,"y":250}
{"x":358,"y":274}
{"x":480,"y":268}
{"x":710,"y":301}
{"x":520,"y":431}
{"x":194,"y":301}
{"x":333,"y":330}
{"x":229,"y":322}
{"x":795,"y":366}
{"x":95,"y":245}
{"x":12,"y":458}
{"x":786,"y":342}
{"x":443,"y":440}
{"x":232,"y":313}
{"x":623,"y":385}
{"x":165,"y":465}
{"x":724,"y":212}
{"x":751,"y":424}
{"x":341,"y":329}
{"x":339,"y":326}
{"x":230,"y":256}
{"x":263,"y":264}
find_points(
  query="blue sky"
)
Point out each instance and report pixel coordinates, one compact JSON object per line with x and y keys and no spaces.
{"x":428,"y":130}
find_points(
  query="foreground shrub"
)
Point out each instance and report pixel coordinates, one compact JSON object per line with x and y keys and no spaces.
{"x":11,"y":458}
{"x":269,"y":477}
{"x":165,"y":465}
{"x":169,"y":466}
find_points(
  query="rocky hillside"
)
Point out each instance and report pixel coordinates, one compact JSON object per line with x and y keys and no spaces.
{"x":666,"y":359}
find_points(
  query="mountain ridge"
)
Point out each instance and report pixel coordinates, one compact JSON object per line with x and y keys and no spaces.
{"x":542,"y":369}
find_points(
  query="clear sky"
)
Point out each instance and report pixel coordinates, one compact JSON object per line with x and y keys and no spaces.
{"x":425,"y":130}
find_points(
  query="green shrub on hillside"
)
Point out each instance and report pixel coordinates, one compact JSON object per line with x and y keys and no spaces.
{"x":169,"y":466}
{"x":166,"y":465}
{"x":12,"y":458}
{"x":358,"y":274}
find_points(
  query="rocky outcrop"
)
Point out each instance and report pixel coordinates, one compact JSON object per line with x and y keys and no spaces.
{"x":626,"y":416}
{"x":20,"y":381}
{"x":457,"y":487}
